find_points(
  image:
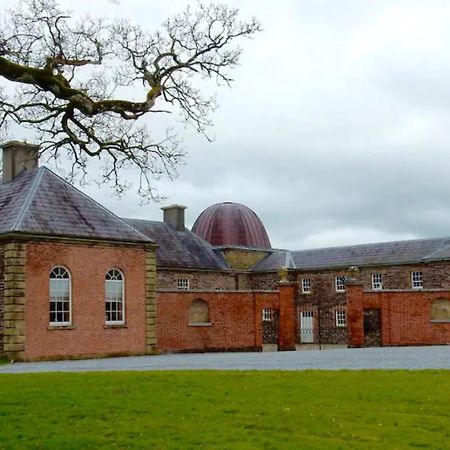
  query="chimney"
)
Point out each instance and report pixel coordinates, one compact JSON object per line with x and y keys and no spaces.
{"x":18,"y":156}
{"x":174,"y":216}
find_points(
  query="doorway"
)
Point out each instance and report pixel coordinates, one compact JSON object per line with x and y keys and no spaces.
{"x":372,"y":327}
{"x":306,"y":327}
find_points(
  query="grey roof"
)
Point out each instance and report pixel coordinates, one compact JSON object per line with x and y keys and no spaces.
{"x":278,"y":258}
{"x":398,"y":252}
{"x":384,"y":253}
{"x":40,"y":202}
{"x":179,"y":249}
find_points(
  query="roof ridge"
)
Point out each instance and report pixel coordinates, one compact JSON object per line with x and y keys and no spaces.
{"x":28,"y":198}
{"x":142,"y":220}
{"x":71,"y":186}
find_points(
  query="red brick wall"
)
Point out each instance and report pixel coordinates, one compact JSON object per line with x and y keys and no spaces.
{"x":236,"y":320}
{"x":88,"y":265}
{"x":405,"y":316}
{"x":2,"y":300}
{"x":288,"y":321}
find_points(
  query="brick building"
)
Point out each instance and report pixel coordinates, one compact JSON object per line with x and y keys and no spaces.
{"x":75,"y":280}
{"x":78,"y":281}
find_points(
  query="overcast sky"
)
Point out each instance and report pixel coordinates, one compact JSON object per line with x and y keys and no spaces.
{"x":336,"y":130}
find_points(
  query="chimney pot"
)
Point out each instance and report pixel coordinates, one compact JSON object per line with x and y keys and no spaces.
{"x":174,"y":216}
{"x":18,"y":156}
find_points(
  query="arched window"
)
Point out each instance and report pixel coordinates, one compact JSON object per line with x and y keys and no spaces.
{"x":440,"y":310}
{"x":60,"y":297}
{"x":114,"y":297}
{"x":199,"y":312}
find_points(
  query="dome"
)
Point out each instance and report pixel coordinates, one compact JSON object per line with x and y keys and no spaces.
{"x":231,"y":223}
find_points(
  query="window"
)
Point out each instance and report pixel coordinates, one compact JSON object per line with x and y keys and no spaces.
{"x":199,"y":313}
{"x":306,"y":285}
{"x":377,"y":281}
{"x":340,"y":318}
{"x":416,"y":280}
{"x":340,"y":283}
{"x":114,"y":297}
{"x":60,"y":297}
{"x":183,"y":283}
{"x":440,"y":310}
{"x":267,"y":315}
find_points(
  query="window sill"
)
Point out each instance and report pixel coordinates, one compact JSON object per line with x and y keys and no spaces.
{"x":61,"y":327}
{"x":440,"y":320}
{"x":201,"y":324}
{"x":115,"y":325}
{"x":306,"y":293}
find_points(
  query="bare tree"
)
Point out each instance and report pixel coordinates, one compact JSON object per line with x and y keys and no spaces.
{"x":70,"y":77}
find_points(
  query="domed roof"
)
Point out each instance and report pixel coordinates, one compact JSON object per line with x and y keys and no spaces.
{"x":231,"y":223}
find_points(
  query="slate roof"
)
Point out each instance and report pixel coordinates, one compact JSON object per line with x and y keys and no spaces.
{"x":179,"y":249}
{"x":384,"y":253}
{"x":40,"y":202}
{"x":277,"y":259}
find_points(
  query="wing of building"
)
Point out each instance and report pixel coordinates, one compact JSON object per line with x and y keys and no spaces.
{"x":78,"y":281}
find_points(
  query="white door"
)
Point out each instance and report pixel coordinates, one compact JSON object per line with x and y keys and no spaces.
{"x":306,"y":327}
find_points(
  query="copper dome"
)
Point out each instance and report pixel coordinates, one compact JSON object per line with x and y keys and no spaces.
{"x":231,"y":223}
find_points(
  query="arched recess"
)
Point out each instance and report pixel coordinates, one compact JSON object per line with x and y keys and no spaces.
{"x":199,"y":312}
{"x":440,"y":309}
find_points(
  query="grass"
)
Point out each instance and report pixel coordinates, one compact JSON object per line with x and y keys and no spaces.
{"x":242,"y":410}
{"x":3,"y":361}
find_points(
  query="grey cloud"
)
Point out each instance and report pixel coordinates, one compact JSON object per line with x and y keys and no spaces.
{"x":336,"y":129}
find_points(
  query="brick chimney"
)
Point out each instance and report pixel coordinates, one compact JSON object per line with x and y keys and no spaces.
{"x":18,"y":156}
{"x":174,"y":216}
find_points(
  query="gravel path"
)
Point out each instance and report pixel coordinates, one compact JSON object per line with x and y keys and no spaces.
{"x":436,"y":357}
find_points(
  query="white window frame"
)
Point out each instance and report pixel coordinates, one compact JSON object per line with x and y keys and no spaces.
{"x":267,"y":315}
{"x":377,"y":281}
{"x":121,"y":321}
{"x":339,"y":283}
{"x":183,"y":284}
{"x":306,"y":285}
{"x":69,"y":279}
{"x":341,"y":318}
{"x":417,"y":279}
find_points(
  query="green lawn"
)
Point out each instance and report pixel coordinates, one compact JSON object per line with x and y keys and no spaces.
{"x":202,"y":409}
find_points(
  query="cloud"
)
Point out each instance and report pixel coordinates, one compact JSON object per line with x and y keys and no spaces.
{"x":336,"y":128}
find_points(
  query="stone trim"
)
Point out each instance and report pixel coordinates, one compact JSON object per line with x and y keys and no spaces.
{"x":24,"y":237}
{"x":14,"y":300}
{"x":216,"y":291}
{"x":150,"y":300}
{"x":381,"y":291}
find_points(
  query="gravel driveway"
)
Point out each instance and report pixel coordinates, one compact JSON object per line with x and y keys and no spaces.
{"x":435,"y":357}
